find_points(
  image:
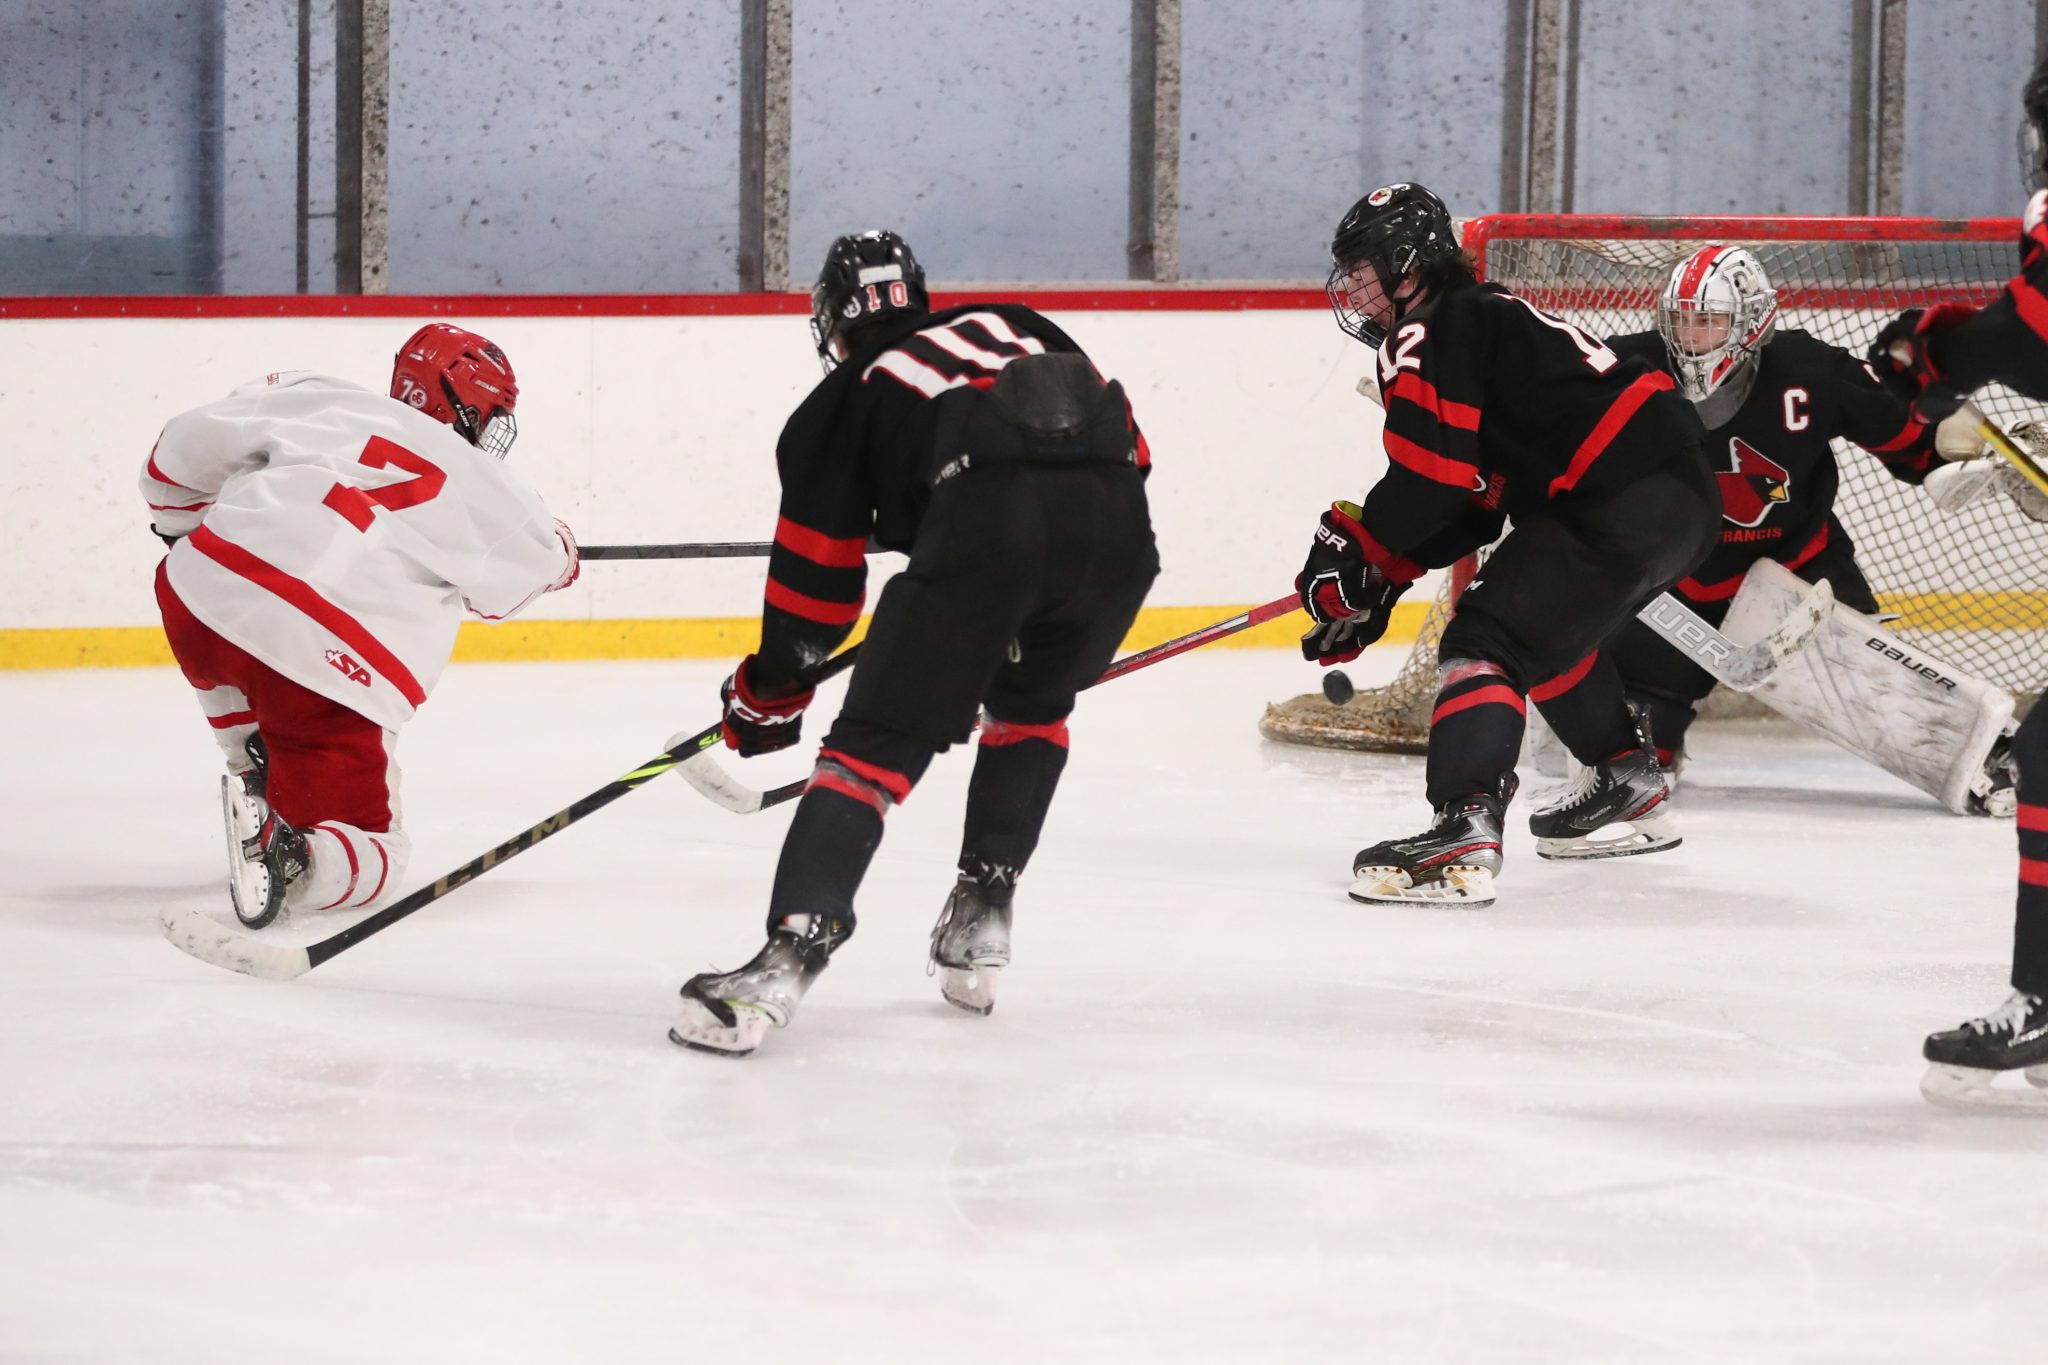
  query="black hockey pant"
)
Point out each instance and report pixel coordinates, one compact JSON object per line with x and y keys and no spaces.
{"x":1539,"y":617}
{"x":1023,"y":581}
{"x":1669,"y":686}
{"x":2030,"y":927}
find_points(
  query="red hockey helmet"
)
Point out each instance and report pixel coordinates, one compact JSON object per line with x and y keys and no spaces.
{"x":460,"y":378}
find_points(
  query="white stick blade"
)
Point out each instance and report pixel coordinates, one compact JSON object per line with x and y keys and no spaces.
{"x":206,"y":938}
{"x":719,"y":786}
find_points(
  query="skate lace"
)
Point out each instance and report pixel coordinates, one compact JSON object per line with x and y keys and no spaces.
{"x":2008,"y":1017}
{"x":1573,"y":792}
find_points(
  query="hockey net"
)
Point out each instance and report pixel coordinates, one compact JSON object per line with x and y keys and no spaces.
{"x":1969,"y":587}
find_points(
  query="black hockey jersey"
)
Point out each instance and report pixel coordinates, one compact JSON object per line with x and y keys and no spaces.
{"x":856,"y":461}
{"x":1774,"y":459}
{"x":1496,"y":409}
{"x":2007,"y":340}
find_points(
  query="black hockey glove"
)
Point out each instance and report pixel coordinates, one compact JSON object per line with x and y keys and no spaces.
{"x":1903,"y":364}
{"x":1345,"y":594}
{"x":760,"y":725}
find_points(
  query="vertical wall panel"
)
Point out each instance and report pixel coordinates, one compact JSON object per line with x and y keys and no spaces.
{"x":995,"y":138}
{"x":1737,"y":107}
{"x":1965,"y":65}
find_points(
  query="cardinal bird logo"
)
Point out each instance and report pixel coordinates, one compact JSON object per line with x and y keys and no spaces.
{"x":1752,"y":484}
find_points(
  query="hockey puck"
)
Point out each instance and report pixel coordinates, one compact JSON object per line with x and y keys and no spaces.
{"x":1337,"y":687}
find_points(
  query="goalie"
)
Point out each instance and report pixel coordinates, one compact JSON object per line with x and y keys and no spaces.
{"x":1772,"y":400}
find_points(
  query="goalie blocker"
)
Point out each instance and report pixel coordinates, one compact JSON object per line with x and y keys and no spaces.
{"x":1917,"y":717}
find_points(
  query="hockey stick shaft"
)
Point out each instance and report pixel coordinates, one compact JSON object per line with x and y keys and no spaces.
{"x":705,"y":549}
{"x":2016,"y":457}
{"x":716,"y":784}
{"x":238,"y":952}
{"x":1742,"y":667}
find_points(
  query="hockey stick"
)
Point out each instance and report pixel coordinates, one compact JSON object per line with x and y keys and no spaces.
{"x":216,"y":944}
{"x":708,"y":549}
{"x":724,"y":790}
{"x":1742,"y":667}
{"x":2014,"y":455}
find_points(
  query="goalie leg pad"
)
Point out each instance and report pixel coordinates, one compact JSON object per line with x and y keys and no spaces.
{"x":1915,"y":716}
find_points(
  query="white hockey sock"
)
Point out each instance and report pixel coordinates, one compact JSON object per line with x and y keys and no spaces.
{"x":348,"y":868}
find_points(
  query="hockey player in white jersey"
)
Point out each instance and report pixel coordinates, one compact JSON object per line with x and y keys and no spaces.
{"x":325,"y":539}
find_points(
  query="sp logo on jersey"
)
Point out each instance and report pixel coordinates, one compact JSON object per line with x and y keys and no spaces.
{"x":1752,"y":484}
{"x":348,"y":668}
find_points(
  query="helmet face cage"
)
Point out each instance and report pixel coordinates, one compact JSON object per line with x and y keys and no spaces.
{"x":1397,"y":230}
{"x":866,"y":277}
{"x":1717,"y":310}
{"x":2033,"y":173}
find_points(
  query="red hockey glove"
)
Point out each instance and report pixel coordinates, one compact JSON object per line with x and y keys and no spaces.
{"x":1342,"y":641}
{"x":568,"y":539}
{"x":1903,"y":364}
{"x":1338,"y":581}
{"x":760,"y":725}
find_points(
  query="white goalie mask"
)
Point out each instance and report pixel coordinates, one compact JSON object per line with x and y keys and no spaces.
{"x":1717,"y":311}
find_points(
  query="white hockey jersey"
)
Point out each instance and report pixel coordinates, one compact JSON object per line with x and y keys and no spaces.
{"x":335,"y":534}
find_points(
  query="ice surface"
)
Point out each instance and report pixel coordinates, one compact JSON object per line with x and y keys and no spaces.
{"x":1659,"y":1109}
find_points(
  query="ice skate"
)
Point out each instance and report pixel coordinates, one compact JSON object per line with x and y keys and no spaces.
{"x":265,"y":855}
{"x":1995,"y":790}
{"x":730,"y":1012}
{"x":1618,"y":807}
{"x":971,"y":941}
{"x":1965,"y":1062}
{"x":1453,"y":862}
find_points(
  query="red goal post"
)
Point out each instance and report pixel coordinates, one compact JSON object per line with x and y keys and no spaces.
{"x":1971,"y":588}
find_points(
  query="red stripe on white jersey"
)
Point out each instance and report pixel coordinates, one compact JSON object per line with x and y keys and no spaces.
{"x":304,"y":597}
{"x":355,"y":869}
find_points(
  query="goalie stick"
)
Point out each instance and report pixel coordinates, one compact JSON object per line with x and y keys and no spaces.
{"x":202,"y":936}
{"x":722,"y":789}
{"x":1742,"y":667}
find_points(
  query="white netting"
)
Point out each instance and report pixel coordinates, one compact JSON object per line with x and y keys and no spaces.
{"x":1970,"y":587}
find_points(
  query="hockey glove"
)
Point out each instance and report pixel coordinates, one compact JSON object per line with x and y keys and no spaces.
{"x":568,"y":539}
{"x":1903,"y":364}
{"x":1342,"y":641}
{"x":1338,"y":581}
{"x":760,"y":725}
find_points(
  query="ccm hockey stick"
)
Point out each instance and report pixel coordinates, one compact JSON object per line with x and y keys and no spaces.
{"x":216,"y":944}
{"x":707,"y":549}
{"x":722,"y":789}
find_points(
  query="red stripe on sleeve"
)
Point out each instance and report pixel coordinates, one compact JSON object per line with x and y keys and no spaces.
{"x":1908,"y":434}
{"x":834,"y":552}
{"x":231,"y":720}
{"x":813,"y":608}
{"x":304,"y":597}
{"x":1564,"y":682}
{"x":1430,"y":465}
{"x":2034,"y":871}
{"x":2033,"y":818}
{"x":1608,"y":427}
{"x":1419,"y":391}
{"x":355,"y":869}
{"x":188,"y":507}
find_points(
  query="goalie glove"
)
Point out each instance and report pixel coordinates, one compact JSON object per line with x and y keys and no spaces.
{"x":1955,"y":487}
{"x":1901,"y":359}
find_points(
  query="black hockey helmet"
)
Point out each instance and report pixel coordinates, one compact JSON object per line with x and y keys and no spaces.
{"x":1398,"y":230}
{"x":868,"y":276}
{"x":2034,"y":128}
